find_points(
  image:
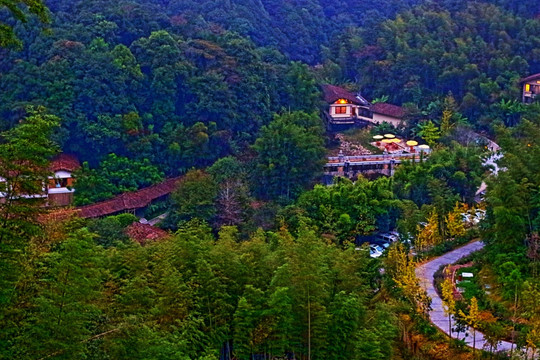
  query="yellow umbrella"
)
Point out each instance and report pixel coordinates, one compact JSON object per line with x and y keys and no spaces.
{"x":378,"y":137}
{"x":395,"y":140}
{"x":387,"y":141}
{"x":389,"y":136}
{"x":412,"y":143}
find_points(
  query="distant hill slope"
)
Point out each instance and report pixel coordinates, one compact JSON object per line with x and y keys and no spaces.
{"x":298,"y":28}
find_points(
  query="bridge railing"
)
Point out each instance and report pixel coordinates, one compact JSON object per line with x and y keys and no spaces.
{"x":359,"y":158}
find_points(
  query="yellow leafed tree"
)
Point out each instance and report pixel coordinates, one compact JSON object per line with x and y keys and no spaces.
{"x":449,"y":303}
{"x":454,"y":222}
{"x":472,"y":318}
{"x":401,"y":267}
{"x":429,"y":235}
{"x":533,"y":339}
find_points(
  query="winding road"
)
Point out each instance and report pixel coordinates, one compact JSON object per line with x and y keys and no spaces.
{"x":425,"y":273}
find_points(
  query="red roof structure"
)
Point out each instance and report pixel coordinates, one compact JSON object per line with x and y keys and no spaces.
{"x":333,"y":93}
{"x":388,"y":110}
{"x":129,"y":201}
{"x":143,"y":233}
{"x":65,"y":162}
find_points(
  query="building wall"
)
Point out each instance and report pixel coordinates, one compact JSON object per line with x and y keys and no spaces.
{"x":61,"y":199}
{"x":380,"y":118}
{"x":346,"y":115}
{"x":531,"y":89}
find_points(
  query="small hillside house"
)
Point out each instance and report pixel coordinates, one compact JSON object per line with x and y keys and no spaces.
{"x":57,"y":190}
{"x":530,"y":88}
{"x":346,"y":108}
{"x":60,"y":187}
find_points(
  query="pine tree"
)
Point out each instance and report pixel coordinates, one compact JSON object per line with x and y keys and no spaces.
{"x":429,"y":133}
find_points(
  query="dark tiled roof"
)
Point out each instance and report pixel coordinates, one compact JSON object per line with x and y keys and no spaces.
{"x":333,"y":93}
{"x":64,"y":162}
{"x":128,"y":201}
{"x":530,"y":78}
{"x":143,"y":233}
{"x":388,"y":110}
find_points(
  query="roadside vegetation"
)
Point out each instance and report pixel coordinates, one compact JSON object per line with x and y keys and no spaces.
{"x":253,"y":257}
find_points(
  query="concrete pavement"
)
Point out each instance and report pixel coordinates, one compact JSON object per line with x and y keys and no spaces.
{"x":425,"y":274}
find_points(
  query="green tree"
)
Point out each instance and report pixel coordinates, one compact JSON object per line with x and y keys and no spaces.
{"x":115,"y":175}
{"x":111,"y":230}
{"x":195,"y":196}
{"x":346,"y":315}
{"x":303,"y":93}
{"x":24,"y":168}
{"x":34,"y":7}
{"x":429,"y":132}
{"x":289,"y":154}
{"x":280,"y":315}
{"x":66,"y":301}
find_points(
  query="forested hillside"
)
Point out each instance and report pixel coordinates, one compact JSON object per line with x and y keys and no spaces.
{"x":475,"y":51}
{"x":251,"y":257}
{"x":126,"y":79}
{"x":299,"y":29}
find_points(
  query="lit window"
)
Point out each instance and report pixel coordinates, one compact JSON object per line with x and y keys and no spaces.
{"x":527,"y":87}
{"x":341,"y":109}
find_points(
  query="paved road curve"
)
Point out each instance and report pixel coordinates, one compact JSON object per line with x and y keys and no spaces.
{"x":425,"y":273}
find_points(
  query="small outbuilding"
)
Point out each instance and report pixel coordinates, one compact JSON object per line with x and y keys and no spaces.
{"x":389,"y":113}
{"x":60,"y":188}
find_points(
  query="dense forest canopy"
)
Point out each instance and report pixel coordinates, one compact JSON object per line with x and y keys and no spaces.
{"x":476,"y":51}
{"x":253,"y":259}
{"x":297,"y":28}
{"x":125,"y":85}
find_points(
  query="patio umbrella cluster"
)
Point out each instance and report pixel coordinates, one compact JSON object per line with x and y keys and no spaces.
{"x":388,"y":139}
